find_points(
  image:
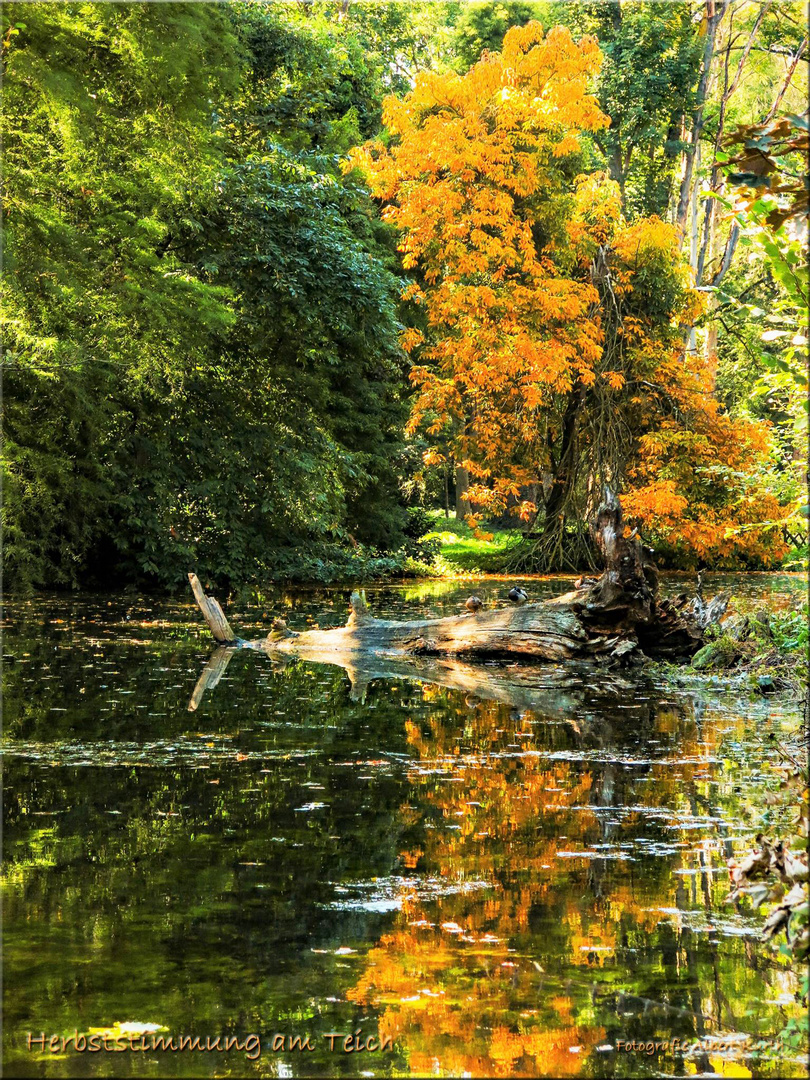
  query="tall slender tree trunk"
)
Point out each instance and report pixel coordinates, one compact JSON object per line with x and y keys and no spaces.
{"x":778,"y":100}
{"x":693,"y":246}
{"x":694,"y":230}
{"x":728,"y":254}
{"x":463,"y":506}
{"x":729,"y":87}
{"x":715,"y":10}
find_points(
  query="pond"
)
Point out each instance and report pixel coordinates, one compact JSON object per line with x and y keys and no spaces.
{"x":520,"y":884}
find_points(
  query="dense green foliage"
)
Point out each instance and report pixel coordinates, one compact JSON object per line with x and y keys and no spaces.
{"x":203,"y":365}
{"x":107,"y":145}
{"x":202,"y":314}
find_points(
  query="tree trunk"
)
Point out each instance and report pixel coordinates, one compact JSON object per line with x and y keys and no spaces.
{"x":617,"y":170}
{"x":564,"y":472}
{"x":728,"y":255}
{"x":613,"y":617}
{"x":217,"y":623}
{"x":729,"y":87}
{"x":787,"y":80}
{"x":463,"y":506}
{"x":715,"y":10}
{"x":693,"y":232}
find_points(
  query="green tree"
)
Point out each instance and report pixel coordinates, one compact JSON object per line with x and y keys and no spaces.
{"x":316,"y":326}
{"x":481,"y":26}
{"x":646,"y":87}
{"x":203,"y":366}
{"x":108,"y":141}
{"x":313,"y":266}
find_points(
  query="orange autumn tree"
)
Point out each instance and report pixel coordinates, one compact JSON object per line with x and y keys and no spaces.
{"x":692,"y":477}
{"x":477,"y":179}
{"x":543,"y":319}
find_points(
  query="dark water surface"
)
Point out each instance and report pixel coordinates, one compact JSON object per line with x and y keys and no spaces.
{"x":505,"y":882}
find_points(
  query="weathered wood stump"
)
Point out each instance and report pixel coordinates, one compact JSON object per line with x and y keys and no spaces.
{"x":617,"y":618}
{"x":214,"y":615}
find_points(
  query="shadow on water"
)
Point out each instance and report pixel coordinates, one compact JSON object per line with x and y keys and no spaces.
{"x":506,"y":870}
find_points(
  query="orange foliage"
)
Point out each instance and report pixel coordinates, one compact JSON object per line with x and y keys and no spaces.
{"x":597,"y":211}
{"x":695,"y":481}
{"x":507,"y":328}
{"x":537,"y":296}
{"x":695,"y":474}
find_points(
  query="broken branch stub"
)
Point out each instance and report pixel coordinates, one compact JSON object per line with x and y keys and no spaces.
{"x":214,"y":615}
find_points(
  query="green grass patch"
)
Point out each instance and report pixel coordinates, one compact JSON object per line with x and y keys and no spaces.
{"x":461,"y":551}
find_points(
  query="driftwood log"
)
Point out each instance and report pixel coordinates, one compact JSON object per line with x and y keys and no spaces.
{"x":617,"y":618}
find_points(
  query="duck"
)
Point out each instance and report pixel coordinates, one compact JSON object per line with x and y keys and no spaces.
{"x":474,"y":604}
{"x":518,"y":595}
{"x":585,"y":582}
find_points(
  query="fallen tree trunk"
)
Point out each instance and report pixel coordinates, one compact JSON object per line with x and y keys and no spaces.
{"x":616,"y":617}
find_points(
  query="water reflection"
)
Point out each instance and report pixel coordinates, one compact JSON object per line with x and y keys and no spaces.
{"x":504,"y":884}
{"x":577,"y":934}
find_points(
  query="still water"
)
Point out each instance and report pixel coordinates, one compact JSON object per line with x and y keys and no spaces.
{"x":513,"y":882}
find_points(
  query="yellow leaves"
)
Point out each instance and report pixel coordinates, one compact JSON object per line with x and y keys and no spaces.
{"x":693,"y":309}
{"x":586,"y":375}
{"x":696,"y":480}
{"x":656,"y":501}
{"x":568,"y":144}
{"x":468,"y":126}
{"x":433,"y":457}
{"x":645,"y":237}
{"x":597,"y":211}
{"x":615,"y":379}
{"x":412,"y":292}
{"x":410,"y":339}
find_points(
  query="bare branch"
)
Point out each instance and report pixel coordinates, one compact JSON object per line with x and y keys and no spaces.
{"x":798,"y":55}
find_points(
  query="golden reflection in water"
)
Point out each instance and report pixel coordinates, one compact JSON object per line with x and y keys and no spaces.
{"x":504,"y":971}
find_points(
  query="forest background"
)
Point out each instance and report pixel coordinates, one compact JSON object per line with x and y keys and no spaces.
{"x":282,"y":279}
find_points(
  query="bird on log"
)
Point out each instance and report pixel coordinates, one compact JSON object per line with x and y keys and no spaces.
{"x":517,"y":595}
{"x":618,"y":617}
